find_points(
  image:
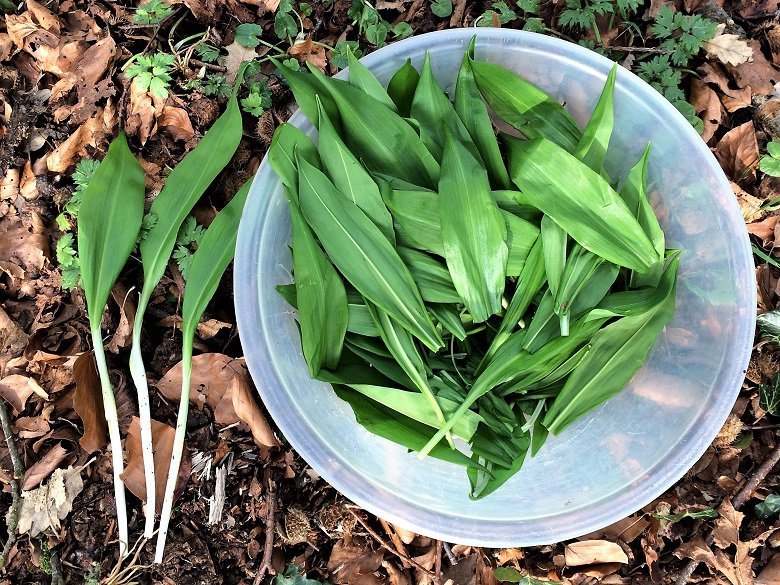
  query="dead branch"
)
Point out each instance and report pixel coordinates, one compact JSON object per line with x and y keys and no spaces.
{"x":268,"y":548}
{"x":16,"y":495}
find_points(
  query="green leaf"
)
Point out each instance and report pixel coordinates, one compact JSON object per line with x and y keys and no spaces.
{"x":474,"y":115}
{"x":109,"y":217}
{"x":285,"y":25}
{"x":339,"y":56}
{"x":215,"y":252}
{"x":521,"y":235}
{"x":593,"y":215}
{"x":473,"y":232}
{"x":617,"y":352}
{"x":293,"y":576}
{"x":634,"y":193}
{"x":362,"y":253}
{"x":524,"y":106}
{"x":581,"y":266}
{"x":441,"y":8}
{"x":402,"y":86}
{"x":402,"y":30}
{"x":770,"y":165}
{"x":286,"y":143}
{"x":360,"y":321}
{"x":248,"y":34}
{"x":432,"y":277}
{"x":416,"y":215}
{"x":383,"y":422}
{"x":349,"y":176}
{"x":769,"y":396}
{"x":363,"y":79}
{"x":768,"y":325}
{"x":592,"y":148}
{"x":320,"y":298}
{"x":306,"y":89}
{"x":436,"y":115}
{"x":449,"y":318}
{"x":509,"y":575}
{"x":415,"y":406}
{"x":386,"y":143}
{"x":554,"y":244}
{"x":769,"y":507}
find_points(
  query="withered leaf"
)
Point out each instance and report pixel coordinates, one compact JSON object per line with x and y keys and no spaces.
{"x":758,"y":74}
{"x":44,"y":467}
{"x":16,"y":389}
{"x":13,"y":340}
{"x":726,"y":531}
{"x":88,"y":404}
{"x":728,"y":48}
{"x":350,"y":564}
{"x":176,"y":123}
{"x":123,"y":333}
{"x":588,"y":552}
{"x":307,"y":51}
{"x":247,"y":410}
{"x":707,"y":106}
{"x":44,"y":507}
{"x":764,"y":229}
{"x":737,"y":152}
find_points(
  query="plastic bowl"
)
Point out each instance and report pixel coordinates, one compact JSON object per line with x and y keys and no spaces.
{"x":609,"y":463}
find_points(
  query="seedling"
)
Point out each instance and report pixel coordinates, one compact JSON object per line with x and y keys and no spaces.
{"x":770,"y":163}
{"x":153,"y":73}
{"x":152,"y":12}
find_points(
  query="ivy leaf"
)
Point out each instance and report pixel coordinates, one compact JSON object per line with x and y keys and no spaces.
{"x":441,"y":8}
{"x":694,"y":515}
{"x":769,"y":396}
{"x":248,"y":34}
{"x":769,"y":507}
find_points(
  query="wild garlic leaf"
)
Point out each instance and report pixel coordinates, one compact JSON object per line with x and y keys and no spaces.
{"x":474,"y":115}
{"x":617,"y":352}
{"x":287,"y":141}
{"x":447,"y":315}
{"x":362,"y":78}
{"x":592,"y":147}
{"x":362,"y":253}
{"x":473,"y":231}
{"x":349,"y":176}
{"x":524,"y":106}
{"x":593,"y":214}
{"x":432,"y":277}
{"x":402,"y":86}
{"x":554,"y":245}
{"x":306,"y":89}
{"x":580,"y":268}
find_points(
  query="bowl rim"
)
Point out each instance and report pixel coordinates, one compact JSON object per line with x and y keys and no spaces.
{"x":568,"y":524}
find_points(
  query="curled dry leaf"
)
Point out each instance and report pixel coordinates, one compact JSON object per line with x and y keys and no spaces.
{"x":44,"y":467}
{"x":90,"y":133}
{"x":26,"y":250}
{"x":44,"y":17}
{"x":589,"y":552}
{"x":32,"y":427}
{"x":750,"y":205}
{"x":758,"y":8}
{"x":758,"y":74}
{"x":728,"y":48}
{"x":764,"y":229}
{"x":737,"y":152}
{"x":44,"y":507}
{"x":29,"y":184}
{"x":733,"y":98}
{"x":88,"y":404}
{"x":123,"y":334}
{"x":9,"y":185}
{"x":13,"y":340}
{"x":176,"y":123}
{"x":726,"y":531}
{"x":237,"y":54}
{"x":247,"y":410}
{"x":142,"y":112}
{"x":307,"y":51}
{"x":17,"y":389}
{"x":6,"y":46}
{"x":707,"y":106}
{"x":350,"y":564}
{"x":133,"y":476}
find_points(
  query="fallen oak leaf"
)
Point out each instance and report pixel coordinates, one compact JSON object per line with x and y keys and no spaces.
{"x":247,"y":410}
{"x":737,"y":152}
{"x":589,"y":552}
{"x":16,"y":389}
{"x":88,"y":403}
{"x":728,"y":48}
{"x":308,"y":51}
{"x":133,"y":476}
{"x":758,"y":74}
{"x":764,"y":229}
{"x":176,"y":123}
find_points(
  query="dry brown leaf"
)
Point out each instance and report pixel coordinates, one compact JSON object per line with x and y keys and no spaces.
{"x":43,"y":508}
{"x":248,"y":411}
{"x":133,"y":475}
{"x":21,"y":27}
{"x":350,"y":564}
{"x":396,"y":576}
{"x":707,"y":106}
{"x":13,"y":339}
{"x":696,"y":550}
{"x":733,"y":99}
{"x":176,"y":122}
{"x":17,"y":389}
{"x":770,"y":575}
{"x":589,"y":552}
{"x":727,"y":526}
{"x":44,"y":467}
{"x":142,"y":113}
{"x":764,"y":229}
{"x":627,"y":529}
{"x":237,"y":54}
{"x":24,"y":249}
{"x":758,"y":8}
{"x":307,"y":51}
{"x":88,"y":404}
{"x":123,"y":334}
{"x":29,"y":184}
{"x":44,"y":17}
{"x":737,"y":152}
{"x":211,"y":327}
{"x":507,"y":555}
{"x":64,"y":156}
{"x":6,"y":46}
{"x":9,"y":186}
{"x":728,"y":48}
{"x":750,"y":205}
{"x":88,"y":69}
{"x":406,"y":536}
{"x":32,"y":427}
{"x":758,"y":74}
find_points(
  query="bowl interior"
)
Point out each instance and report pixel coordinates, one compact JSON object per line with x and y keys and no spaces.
{"x":612,"y":461}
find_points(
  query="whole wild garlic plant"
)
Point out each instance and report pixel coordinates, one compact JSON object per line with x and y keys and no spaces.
{"x":109,"y":226}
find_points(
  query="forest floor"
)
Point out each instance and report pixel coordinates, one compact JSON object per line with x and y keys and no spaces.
{"x":65,"y":92}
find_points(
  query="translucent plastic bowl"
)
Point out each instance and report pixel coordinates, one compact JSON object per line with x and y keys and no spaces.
{"x":614,"y":460}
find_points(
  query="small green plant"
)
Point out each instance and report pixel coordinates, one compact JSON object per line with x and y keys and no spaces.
{"x":339,"y":56}
{"x":258,"y":100}
{"x":510,"y":575}
{"x":293,"y":576}
{"x":305,"y":8}
{"x":705,"y":514}
{"x":402,"y":30}
{"x":285,"y":25}
{"x":152,"y":12}
{"x":531,"y":20}
{"x":369,"y":22}
{"x":187,"y":240}
{"x":769,"y":507}
{"x":68,"y":261}
{"x":682,"y":35}
{"x":85,"y":169}
{"x":441,"y":8}
{"x":248,"y":34}
{"x":153,"y":73}
{"x":770,"y":163}
{"x":769,"y":396}
{"x":214,"y":84}
{"x":207,"y":53}
{"x":499,"y":12}
{"x":45,"y":556}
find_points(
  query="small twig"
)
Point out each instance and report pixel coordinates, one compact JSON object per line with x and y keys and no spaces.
{"x":395,"y":538}
{"x":638,"y":49}
{"x":764,"y":427}
{"x":16,"y":495}
{"x":437,"y":562}
{"x":457,"y":13}
{"x":448,"y":551}
{"x":739,"y":500}
{"x":209,"y":66}
{"x":268,"y":549}
{"x":384,"y":544}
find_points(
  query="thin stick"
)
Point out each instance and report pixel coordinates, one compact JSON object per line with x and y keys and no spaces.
{"x":16,"y":502}
{"x":457,"y":13}
{"x":384,"y":544}
{"x":739,"y":500}
{"x":178,"y":444}
{"x":117,"y":460}
{"x":138,"y":374}
{"x":395,"y":538}
{"x":268,"y":548}
{"x":448,"y":552}
{"x":209,"y":66}
{"x":437,"y":563}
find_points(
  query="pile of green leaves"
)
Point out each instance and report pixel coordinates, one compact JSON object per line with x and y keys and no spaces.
{"x":451,"y":284}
